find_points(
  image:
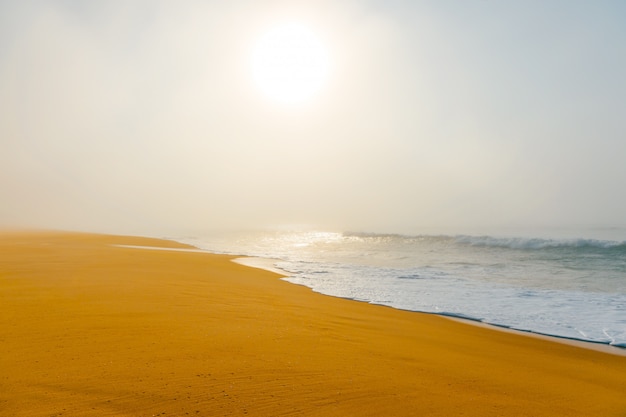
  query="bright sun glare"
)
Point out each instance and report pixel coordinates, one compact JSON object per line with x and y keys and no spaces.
{"x":289,"y":63}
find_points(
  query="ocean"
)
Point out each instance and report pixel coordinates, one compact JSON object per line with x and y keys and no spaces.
{"x":571,"y":286}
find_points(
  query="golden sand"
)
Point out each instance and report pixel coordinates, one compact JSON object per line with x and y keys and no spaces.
{"x":92,"y":329}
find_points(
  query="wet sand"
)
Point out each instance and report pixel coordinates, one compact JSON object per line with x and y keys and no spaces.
{"x":88,"y":328}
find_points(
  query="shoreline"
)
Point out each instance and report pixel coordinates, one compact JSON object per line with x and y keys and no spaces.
{"x":91,"y":325}
{"x":268,"y":265}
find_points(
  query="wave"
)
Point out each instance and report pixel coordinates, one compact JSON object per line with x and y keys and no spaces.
{"x":538,"y":243}
{"x":520,"y":243}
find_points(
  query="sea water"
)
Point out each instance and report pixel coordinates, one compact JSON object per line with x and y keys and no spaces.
{"x":571,"y":287}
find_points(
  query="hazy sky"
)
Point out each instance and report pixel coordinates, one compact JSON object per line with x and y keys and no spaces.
{"x":142,"y":116}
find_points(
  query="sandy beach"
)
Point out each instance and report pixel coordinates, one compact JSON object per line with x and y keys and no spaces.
{"x":92,"y":328}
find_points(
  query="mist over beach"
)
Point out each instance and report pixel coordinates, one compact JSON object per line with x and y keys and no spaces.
{"x":312,"y":207}
{"x":144,"y":117}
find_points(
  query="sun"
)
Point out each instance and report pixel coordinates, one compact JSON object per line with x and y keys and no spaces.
{"x":289,"y":64}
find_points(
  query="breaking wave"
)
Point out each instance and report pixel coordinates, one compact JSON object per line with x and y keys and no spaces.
{"x":520,"y":243}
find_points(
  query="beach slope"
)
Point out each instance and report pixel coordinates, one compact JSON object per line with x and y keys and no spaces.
{"x":88,"y":328}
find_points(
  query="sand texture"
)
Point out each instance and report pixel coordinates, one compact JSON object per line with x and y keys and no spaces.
{"x":92,"y":329}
